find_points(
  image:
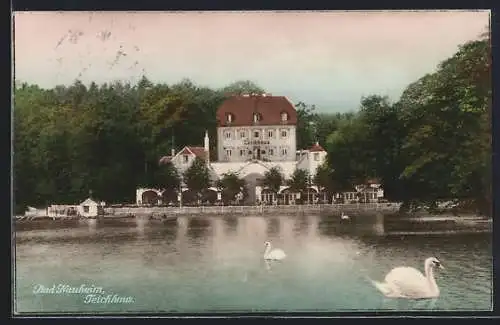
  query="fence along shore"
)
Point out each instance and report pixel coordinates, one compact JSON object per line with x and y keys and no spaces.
{"x":254,"y":209}
{"x":166,"y":211}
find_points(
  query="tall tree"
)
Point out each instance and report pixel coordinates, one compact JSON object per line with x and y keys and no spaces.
{"x":242,"y":87}
{"x":169,"y":181}
{"x":447,"y":115}
{"x":197,"y":177}
{"x":273,"y":179}
{"x":299,"y":181}
{"x":306,"y":125}
{"x":323,"y":179}
{"x":230,"y":186}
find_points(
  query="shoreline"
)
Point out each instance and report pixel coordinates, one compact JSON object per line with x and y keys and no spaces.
{"x":384,"y":217}
{"x":390,"y":210}
{"x":167,"y":212}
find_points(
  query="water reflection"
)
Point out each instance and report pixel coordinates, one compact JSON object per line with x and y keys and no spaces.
{"x":408,"y":304}
{"x":273,"y":226}
{"x":182,"y":226}
{"x":331,"y":226}
{"x":301,"y":224}
{"x":198,"y":228}
{"x":117,"y":223}
{"x":272,"y":264}
{"x":141,"y":224}
{"x":231,"y":223}
{"x":268,"y":264}
{"x":166,"y":232}
{"x":45,"y":224}
{"x":325,"y":268}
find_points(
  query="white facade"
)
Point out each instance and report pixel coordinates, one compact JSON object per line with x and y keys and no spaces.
{"x":89,"y":208}
{"x":140,"y":191}
{"x":310,"y":160}
{"x":60,"y":210}
{"x":251,"y":171}
{"x":369,"y":194}
{"x":244,"y":169}
{"x":254,"y":135}
{"x":184,"y":158}
{"x":266,"y":142}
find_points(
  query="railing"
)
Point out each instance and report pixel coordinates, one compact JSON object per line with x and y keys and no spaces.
{"x":254,"y":209}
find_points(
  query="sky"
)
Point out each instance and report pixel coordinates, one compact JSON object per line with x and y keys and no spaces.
{"x":329,"y":59}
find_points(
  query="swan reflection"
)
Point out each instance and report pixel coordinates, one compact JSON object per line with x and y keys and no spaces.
{"x":268,"y":264}
{"x":408,"y":304}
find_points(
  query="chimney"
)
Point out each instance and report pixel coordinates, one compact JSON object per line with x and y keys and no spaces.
{"x":172,"y":152}
{"x":207,"y":146}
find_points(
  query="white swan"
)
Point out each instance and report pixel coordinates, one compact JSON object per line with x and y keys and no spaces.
{"x":410,"y":283}
{"x":344,"y":216}
{"x":275,"y":254}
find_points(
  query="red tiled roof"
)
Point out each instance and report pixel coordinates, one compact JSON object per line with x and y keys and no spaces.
{"x":316,"y":148}
{"x":197,"y":151}
{"x":243,"y":107}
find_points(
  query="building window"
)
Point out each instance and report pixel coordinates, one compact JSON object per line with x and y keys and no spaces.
{"x":86,"y":209}
{"x":256,"y":134}
{"x":229,"y":118}
{"x":228,"y":135}
{"x":243,"y":134}
{"x":228,"y":152}
{"x":271,"y":152}
{"x":283,"y":133}
{"x":263,"y":152}
{"x":284,"y":116}
{"x":249,"y":152}
{"x":270,"y":134}
{"x":283,"y":151}
{"x":242,"y":152}
{"x":316,"y":156}
{"x":257,"y":117}
{"x":186,"y":159}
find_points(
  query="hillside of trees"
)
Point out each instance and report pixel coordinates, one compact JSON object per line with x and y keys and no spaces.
{"x":433,"y":143}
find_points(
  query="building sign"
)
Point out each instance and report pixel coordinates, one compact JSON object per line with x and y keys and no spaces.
{"x":255,"y":142}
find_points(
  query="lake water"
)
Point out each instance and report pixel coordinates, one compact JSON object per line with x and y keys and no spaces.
{"x":216,"y":264}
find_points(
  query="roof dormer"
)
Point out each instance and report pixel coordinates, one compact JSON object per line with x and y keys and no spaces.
{"x":257,"y":117}
{"x":229,"y":118}
{"x":284,"y":117}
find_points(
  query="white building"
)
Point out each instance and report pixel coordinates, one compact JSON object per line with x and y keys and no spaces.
{"x":370,"y":192}
{"x":256,"y":127}
{"x":61,"y":210}
{"x":34,"y":212}
{"x":254,"y":134}
{"x":90,"y":209}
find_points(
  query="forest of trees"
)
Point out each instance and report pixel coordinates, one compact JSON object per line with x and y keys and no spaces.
{"x":433,"y":143}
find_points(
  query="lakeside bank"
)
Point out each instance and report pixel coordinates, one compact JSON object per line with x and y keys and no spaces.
{"x":313,"y":209}
{"x":384,"y":219}
{"x":159,"y":212}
